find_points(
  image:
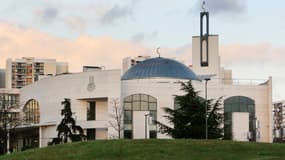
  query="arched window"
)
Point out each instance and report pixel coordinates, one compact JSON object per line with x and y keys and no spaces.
{"x":32,"y":112}
{"x":238,"y":104}
{"x":139,"y":102}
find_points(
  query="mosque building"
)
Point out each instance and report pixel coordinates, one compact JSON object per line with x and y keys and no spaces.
{"x":142,"y":92}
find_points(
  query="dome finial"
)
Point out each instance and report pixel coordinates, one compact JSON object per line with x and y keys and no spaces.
{"x":157,"y":51}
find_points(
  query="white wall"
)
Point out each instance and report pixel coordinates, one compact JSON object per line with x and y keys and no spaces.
{"x":240,"y":126}
{"x":161,"y":88}
{"x":8,"y":73}
{"x":214,"y":59}
{"x":47,"y":133}
{"x":139,"y":125}
{"x":51,"y":91}
{"x":164,"y":90}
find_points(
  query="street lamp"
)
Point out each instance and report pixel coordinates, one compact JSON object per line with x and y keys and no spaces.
{"x":206,"y":107}
{"x":145,"y":125}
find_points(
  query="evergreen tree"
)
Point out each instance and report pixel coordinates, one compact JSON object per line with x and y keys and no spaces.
{"x":188,"y":116}
{"x":67,"y":127}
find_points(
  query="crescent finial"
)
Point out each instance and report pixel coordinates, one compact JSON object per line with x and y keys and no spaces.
{"x":157,"y":51}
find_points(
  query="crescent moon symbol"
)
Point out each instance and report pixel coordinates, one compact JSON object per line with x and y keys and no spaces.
{"x":157,"y":51}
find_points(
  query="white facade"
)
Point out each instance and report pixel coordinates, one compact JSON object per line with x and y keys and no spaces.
{"x":104,"y":85}
{"x":145,"y":91}
{"x":222,"y":84}
{"x":76,"y":87}
{"x":24,"y":71}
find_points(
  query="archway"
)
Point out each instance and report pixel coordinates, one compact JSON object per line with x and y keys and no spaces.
{"x":239,"y":104}
{"x":139,"y":104}
{"x":32,"y":112}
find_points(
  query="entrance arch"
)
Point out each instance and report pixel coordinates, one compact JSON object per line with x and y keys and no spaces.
{"x":239,"y":104}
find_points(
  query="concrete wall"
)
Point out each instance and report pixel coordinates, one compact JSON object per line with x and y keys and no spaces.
{"x":50,"y":68}
{"x":51,"y":91}
{"x":8,"y":73}
{"x":214,"y":59}
{"x":240,"y":127}
{"x":165,"y":89}
{"x":47,"y":133}
{"x":162,"y":89}
{"x":261,"y":94}
{"x":61,"y":67}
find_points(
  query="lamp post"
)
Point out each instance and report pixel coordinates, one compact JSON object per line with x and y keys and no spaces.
{"x":206,"y":107}
{"x":145,"y":125}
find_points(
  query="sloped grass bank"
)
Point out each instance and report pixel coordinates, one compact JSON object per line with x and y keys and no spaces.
{"x":154,"y":150}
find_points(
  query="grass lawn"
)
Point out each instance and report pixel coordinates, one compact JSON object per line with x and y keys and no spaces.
{"x":154,"y":150}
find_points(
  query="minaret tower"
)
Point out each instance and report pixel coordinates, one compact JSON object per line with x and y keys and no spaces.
{"x":205,"y":48}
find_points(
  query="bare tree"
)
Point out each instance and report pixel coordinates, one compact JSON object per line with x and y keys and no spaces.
{"x":117,"y":117}
{"x":10,"y":118}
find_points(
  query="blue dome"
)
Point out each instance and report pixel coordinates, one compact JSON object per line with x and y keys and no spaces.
{"x":159,"y":67}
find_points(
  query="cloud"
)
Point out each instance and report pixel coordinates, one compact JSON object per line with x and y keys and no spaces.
{"x":256,"y":61}
{"x":223,"y":6}
{"x":142,"y":36}
{"x":115,"y":13}
{"x":76,"y":23}
{"x":139,"y":37}
{"x":47,"y":14}
{"x":252,"y":53}
{"x":17,"y":42}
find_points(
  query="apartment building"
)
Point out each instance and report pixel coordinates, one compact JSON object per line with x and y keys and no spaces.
{"x":128,"y":62}
{"x":279,"y":121}
{"x":24,"y":71}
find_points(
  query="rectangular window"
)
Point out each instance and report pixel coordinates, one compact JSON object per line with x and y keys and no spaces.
{"x":91,"y":111}
{"x":128,"y":134}
{"x":152,"y":134}
{"x":91,"y":134}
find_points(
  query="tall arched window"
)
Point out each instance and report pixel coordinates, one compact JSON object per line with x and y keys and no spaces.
{"x":139,"y":102}
{"x":32,"y":112}
{"x":238,"y":104}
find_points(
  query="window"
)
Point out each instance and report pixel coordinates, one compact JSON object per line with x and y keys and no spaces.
{"x":32,"y":112}
{"x":128,"y":134}
{"x":91,"y":134}
{"x":139,"y":102}
{"x":91,"y":111}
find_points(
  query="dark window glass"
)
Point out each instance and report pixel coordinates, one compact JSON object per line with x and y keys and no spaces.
{"x":91,"y":134}
{"x":128,"y":106}
{"x":32,"y":112}
{"x":91,"y":111}
{"x":128,"y":134}
{"x":152,"y":134}
{"x":127,"y":115}
{"x":144,"y":106}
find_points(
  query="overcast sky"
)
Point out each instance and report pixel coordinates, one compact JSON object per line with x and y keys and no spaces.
{"x":102,"y":32}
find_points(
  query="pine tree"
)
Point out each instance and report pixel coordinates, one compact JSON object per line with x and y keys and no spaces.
{"x":67,"y":127}
{"x":188,"y":118}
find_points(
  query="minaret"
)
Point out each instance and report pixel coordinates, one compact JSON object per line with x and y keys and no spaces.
{"x":205,"y":48}
{"x":204,"y":36}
